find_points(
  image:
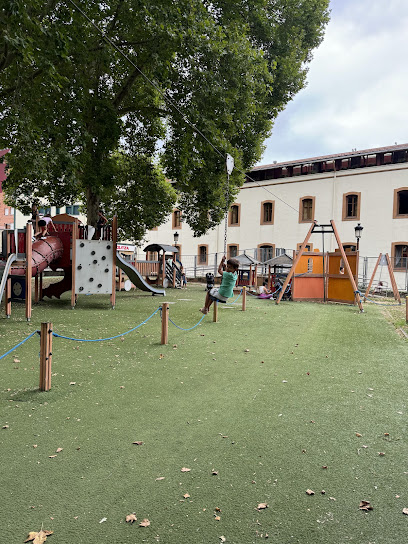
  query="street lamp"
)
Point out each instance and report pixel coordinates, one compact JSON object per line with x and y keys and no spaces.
{"x":358,"y":231}
{"x":176,"y":237}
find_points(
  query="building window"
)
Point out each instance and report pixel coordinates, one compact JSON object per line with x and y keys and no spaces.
{"x":68,"y":209}
{"x":267,"y":209}
{"x":265,"y":252}
{"x":176,"y":219}
{"x":308,"y":247}
{"x":351,"y":206}
{"x":75,"y":210}
{"x":399,"y":255}
{"x":306,"y":209}
{"x":203,"y":255}
{"x":234,"y":215}
{"x":349,"y":247}
{"x":400,"y":203}
{"x":232,"y":251}
{"x":6,"y":211}
{"x":57,"y":211}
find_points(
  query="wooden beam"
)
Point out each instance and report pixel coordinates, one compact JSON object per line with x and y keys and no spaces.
{"x":215,"y":312}
{"x":347,"y":265}
{"x":28,"y":274}
{"x":244,"y":298}
{"x":392,"y":278}
{"x":165,"y":323}
{"x":295,"y":262}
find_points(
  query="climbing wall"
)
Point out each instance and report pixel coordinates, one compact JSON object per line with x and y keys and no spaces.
{"x":93,"y":267}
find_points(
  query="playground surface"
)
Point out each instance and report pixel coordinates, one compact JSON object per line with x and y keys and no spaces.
{"x":287,"y":417}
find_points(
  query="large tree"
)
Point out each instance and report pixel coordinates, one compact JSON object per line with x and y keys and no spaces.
{"x":84,"y":122}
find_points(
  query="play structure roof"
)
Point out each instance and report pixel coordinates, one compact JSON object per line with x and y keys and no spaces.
{"x":161,"y":247}
{"x":246,"y":260}
{"x":281,"y":260}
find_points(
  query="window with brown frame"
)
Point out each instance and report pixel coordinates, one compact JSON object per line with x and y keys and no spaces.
{"x":400,"y":208}
{"x":265,"y":252}
{"x":232,"y":251}
{"x":234,"y":215}
{"x":399,"y":255}
{"x":202,"y":254}
{"x":176,"y":219}
{"x":351,"y":206}
{"x":267,"y":212}
{"x":306,"y":209}
{"x":308,"y":247}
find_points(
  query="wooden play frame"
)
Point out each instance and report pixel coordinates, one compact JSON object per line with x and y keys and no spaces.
{"x":349,"y":273}
{"x":392,"y":278}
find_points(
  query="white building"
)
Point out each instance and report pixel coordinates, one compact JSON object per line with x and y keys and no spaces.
{"x":278,"y":202}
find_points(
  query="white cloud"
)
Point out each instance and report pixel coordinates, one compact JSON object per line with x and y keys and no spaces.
{"x":357,"y":85}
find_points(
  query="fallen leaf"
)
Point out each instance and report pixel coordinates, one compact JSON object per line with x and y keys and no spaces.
{"x":381,"y":453}
{"x":144,"y":523}
{"x":38,"y":538}
{"x":72,"y":383}
{"x":246,"y":350}
{"x":16,"y":360}
{"x":359,"y":435}
{"x":184,"y":469}
{"x":405,"y":511}
{"x":52,"y":456}
{"x":186,"y":495}
{"x":309,"y":492}
{"x":5,"y":427}
{"x":217,"y":509}
{"x":262,"y":506}
{"x":138,"y":443}
{"x":59,"y":449}
{"x":131,"y":518}
{"x":365,"y":505}
{"x":214,"y":472}
{"x":160,"y":478}
{"x":35,"y":446}
{"x":161,"y":356}
{"x":103,"y":520}
{"x":223,"y":539}
{"x":324,"y":466}
{"x":217,"y":518}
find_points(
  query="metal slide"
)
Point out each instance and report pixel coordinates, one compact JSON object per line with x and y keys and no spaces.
{"x":135,"y":277}
{"x":4,"y":272}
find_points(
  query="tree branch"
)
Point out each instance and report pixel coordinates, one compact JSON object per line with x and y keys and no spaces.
{"x":124,"y":91}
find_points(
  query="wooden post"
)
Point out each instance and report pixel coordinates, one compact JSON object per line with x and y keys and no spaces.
{"x":406,"y":309}
{"x":28,"y":274}
{"x":256,"y":276}
{"x":347,"y":266}
{"x":45,"y":356}
{"x":372,"y":276}
{"x":114,"y":246}
{"x":174,"y":270}
{"x":250,"y":282}
{"x":73,"y":263}
{"x":165,"y":323}
{"x":244,"y":299}
{"x":215,"y":312}
{"x":269,"y":277}
{"x":36,"y":288}
{"x":295,"y":262}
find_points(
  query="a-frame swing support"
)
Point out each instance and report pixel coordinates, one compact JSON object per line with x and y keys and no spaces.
{"x":392,"y":278}
{"x":313,"y":229}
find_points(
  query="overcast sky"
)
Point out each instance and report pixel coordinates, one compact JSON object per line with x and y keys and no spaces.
{"x":357,"y":89}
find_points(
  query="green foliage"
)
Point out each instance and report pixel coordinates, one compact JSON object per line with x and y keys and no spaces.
{"x":70,"y":101}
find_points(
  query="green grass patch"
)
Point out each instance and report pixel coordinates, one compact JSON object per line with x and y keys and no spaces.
{"x":265,"y":398}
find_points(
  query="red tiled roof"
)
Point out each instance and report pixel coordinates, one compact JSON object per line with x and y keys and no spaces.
{"x":357,"y":153}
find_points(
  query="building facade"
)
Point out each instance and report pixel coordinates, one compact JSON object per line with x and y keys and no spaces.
{"x":278,"y":202}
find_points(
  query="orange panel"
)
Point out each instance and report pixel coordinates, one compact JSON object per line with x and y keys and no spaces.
{"x":340,"y":289}
{"x":307,"y":288}
{"x":335,"y":260}
{"x":317,"y":263}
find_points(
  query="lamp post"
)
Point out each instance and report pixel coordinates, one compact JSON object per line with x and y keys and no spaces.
{"x":176,"y":237}
{"x":358,"y":231}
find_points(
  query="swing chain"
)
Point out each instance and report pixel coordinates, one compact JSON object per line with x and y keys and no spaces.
{"x":226,"y":217}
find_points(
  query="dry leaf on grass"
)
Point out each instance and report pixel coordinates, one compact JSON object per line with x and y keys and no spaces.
{"x":59,"y":449}
{"x":52,"y":456}
{"x":186,"y":496}
{"x":184,"y":469}
{"x":217,"y":518}
{"x":359,"y":435}
{"x":5,"y":427}
{"x":310,"y":492}
{"x":144,"y":523}
{"x":160,"y":478}
{"x":131,"y":518}
{"x":138,"y":443}
{"x":16,"y":360}
{"x":38,"y":537}
{"x":405,"y":511}
{"x":262,"y":506}
{"x":365,"y":506}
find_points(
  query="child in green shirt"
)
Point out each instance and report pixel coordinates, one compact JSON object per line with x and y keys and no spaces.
{"x":225,"y":291}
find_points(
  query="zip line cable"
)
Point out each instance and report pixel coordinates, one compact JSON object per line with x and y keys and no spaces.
{"x":170,"y":101}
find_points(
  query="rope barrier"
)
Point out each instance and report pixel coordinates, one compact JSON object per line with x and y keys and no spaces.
{"x":374,"y":302}
{"x":236,"y":298}
{"x":111,"y":337}
{"x":19,"y":344}
{"x":191,"y":328}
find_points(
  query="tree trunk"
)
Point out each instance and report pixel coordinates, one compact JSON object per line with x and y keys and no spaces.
{"x":92,"y":204}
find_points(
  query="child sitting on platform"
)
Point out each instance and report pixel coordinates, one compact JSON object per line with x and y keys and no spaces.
{"x":225,"y":291}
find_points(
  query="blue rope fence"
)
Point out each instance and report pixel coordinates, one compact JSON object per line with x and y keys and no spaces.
{"x":191,"y":328}
{"x":19,"y":344}
{"x":234,"y":301}
{"x":109,"y":338}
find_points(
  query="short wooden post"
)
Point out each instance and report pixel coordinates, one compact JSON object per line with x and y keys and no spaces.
{"x":7,"y":297}
{"x":165,"y":323}
{"x":114,"y":249}
{"x":45,"y":356}
{"x":215,"y":313}
{"x":243,"y":299}
{"x":163,"y":267}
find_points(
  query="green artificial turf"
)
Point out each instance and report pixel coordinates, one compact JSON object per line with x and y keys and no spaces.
{"x":255,"y":405}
